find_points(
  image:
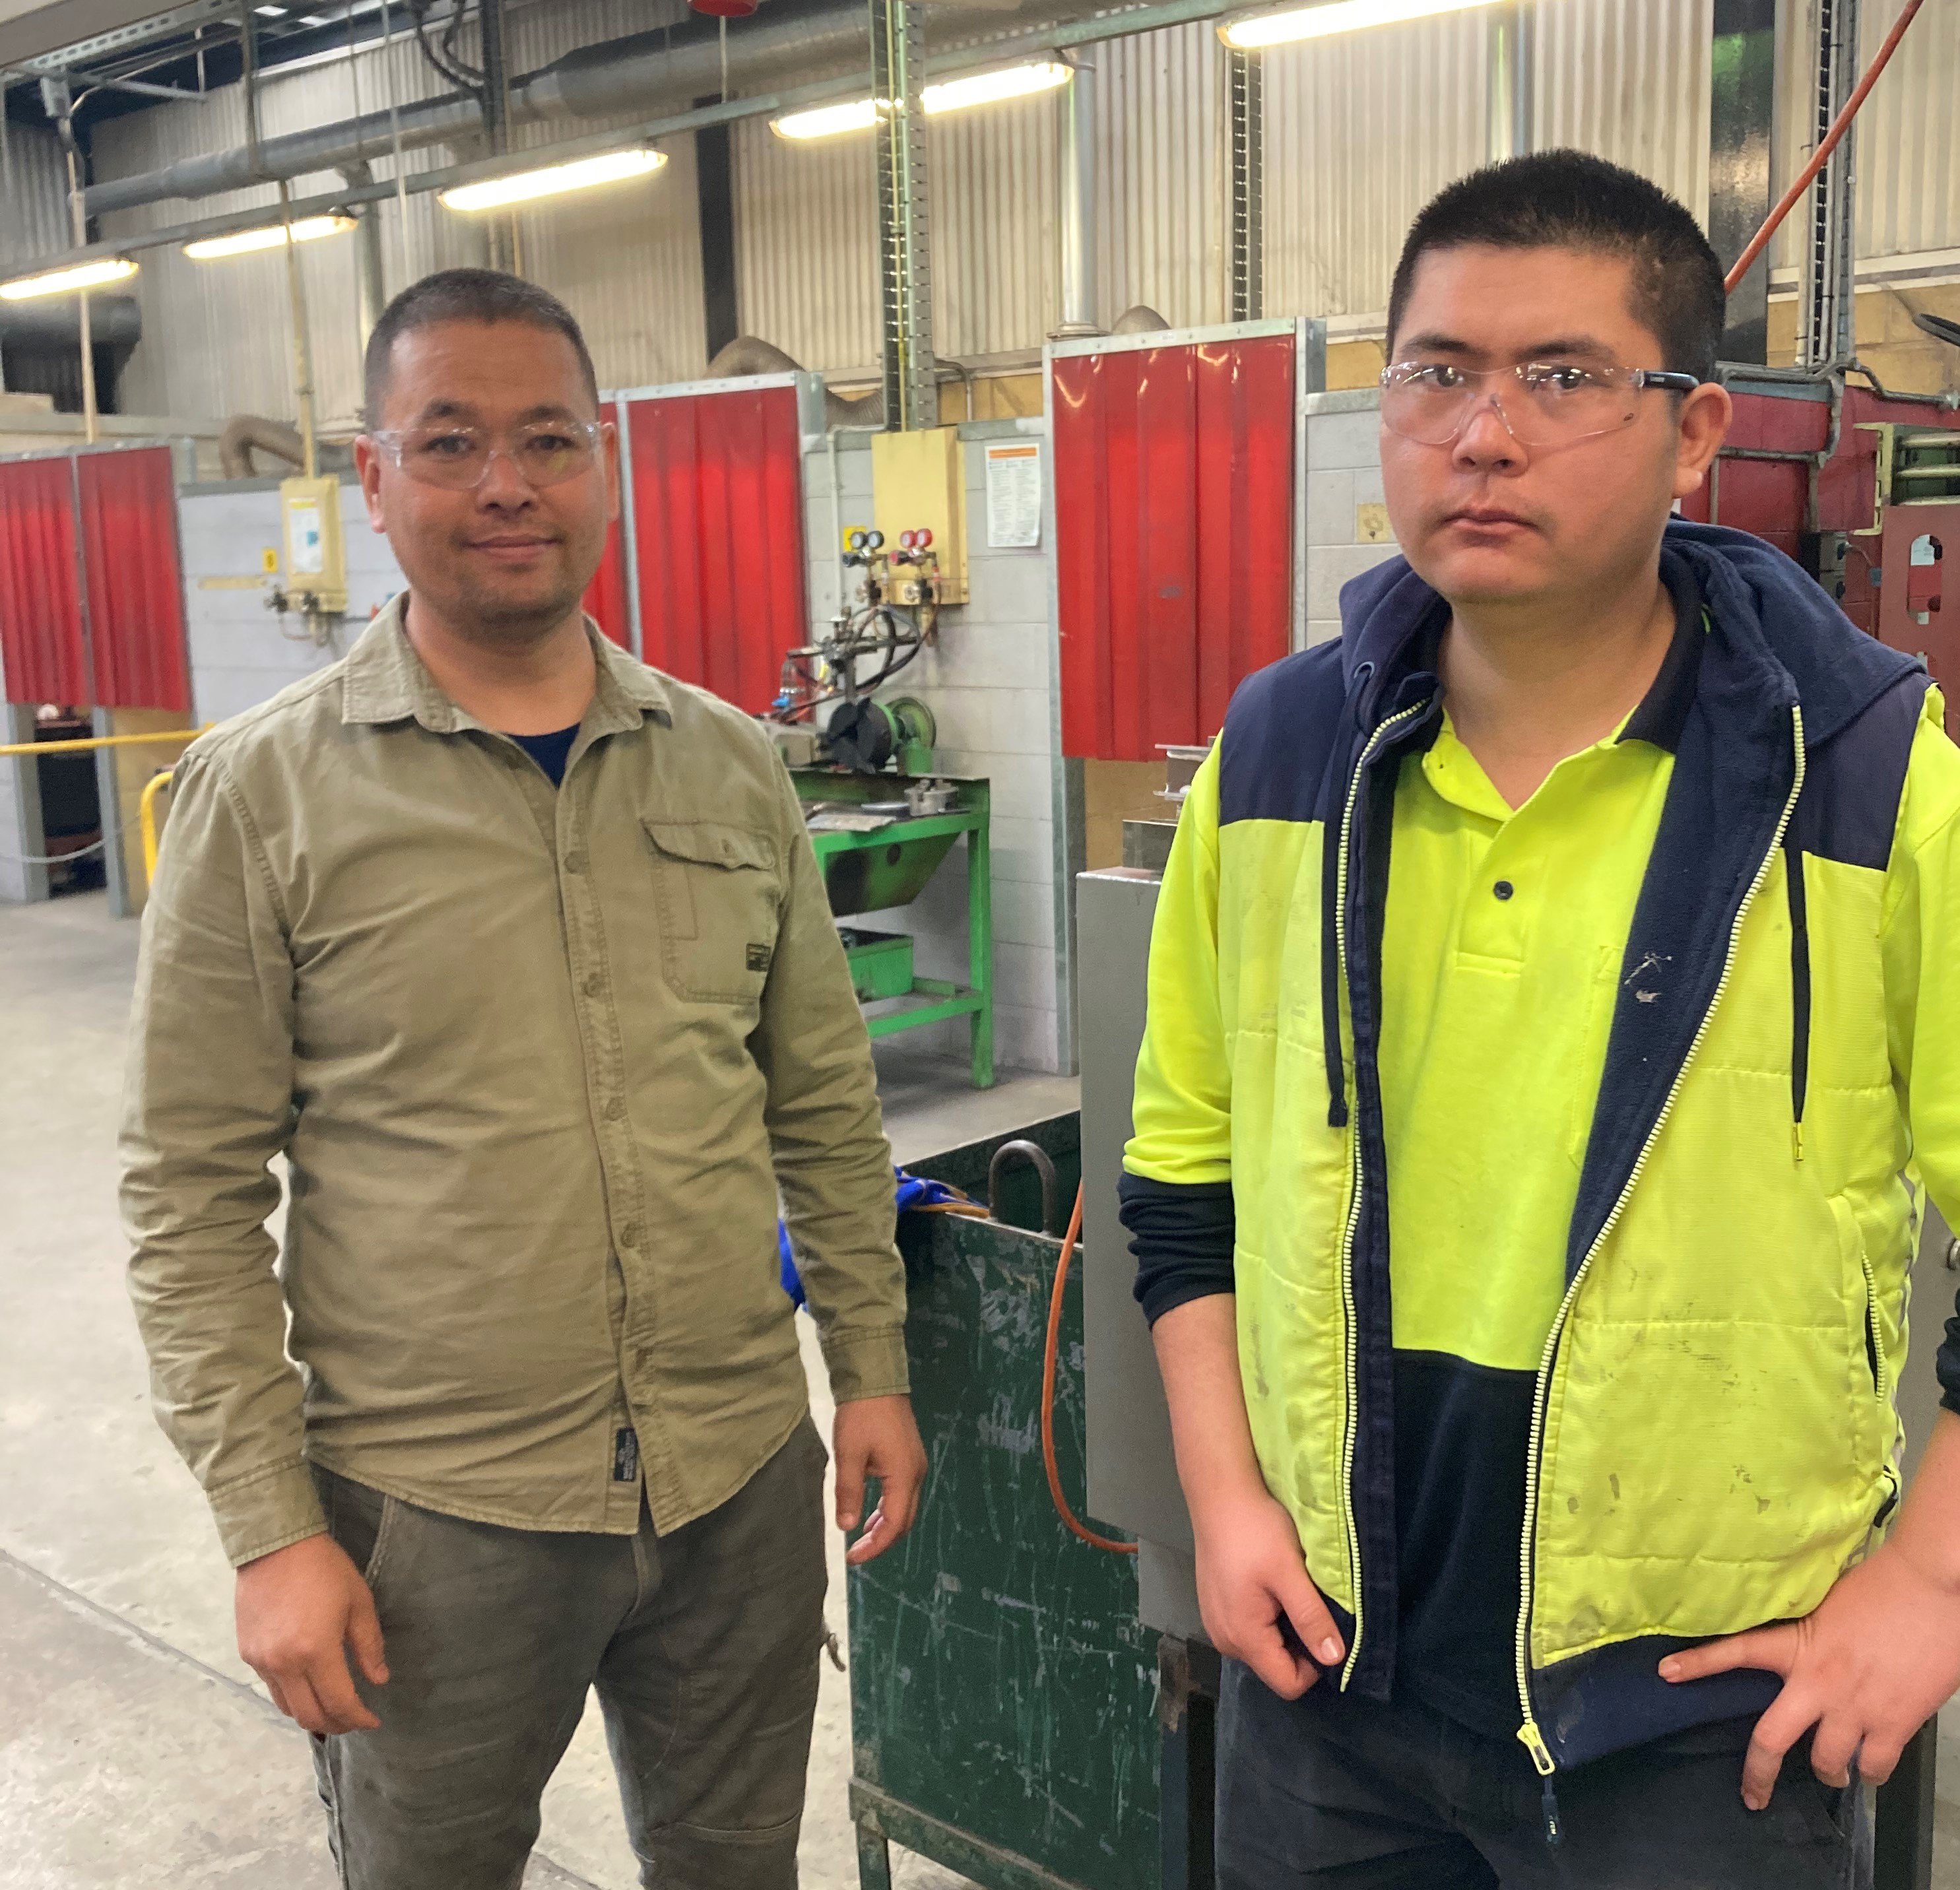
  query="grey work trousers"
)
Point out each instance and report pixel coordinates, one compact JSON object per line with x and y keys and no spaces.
{"x":702,"y":1643}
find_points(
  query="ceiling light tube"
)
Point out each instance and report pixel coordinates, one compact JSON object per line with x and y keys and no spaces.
{"x":826,"y":121}
{"x":527,"y":186}
{"x":992,"y":88}
{"x":1282,"y":27}
{"x":78,"y":275}
{"x":271,"y":236}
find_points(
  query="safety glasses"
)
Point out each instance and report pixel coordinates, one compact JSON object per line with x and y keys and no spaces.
{"x":1540,"y":403}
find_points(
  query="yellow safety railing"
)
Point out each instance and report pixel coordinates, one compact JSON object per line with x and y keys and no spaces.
{"x":146,"y":814}
{"x":147,"y":806}
{"x":100,"y":741}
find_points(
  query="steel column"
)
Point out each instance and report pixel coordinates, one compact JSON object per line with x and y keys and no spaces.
{"x":1827,"y":336}
{"x":1245,"y":82}
{"x":1740,"y":193}
{"x":905,"y":245}
{"x":1507,"y":96}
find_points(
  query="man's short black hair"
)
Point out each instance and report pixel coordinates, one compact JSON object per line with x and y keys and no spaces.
{"x":466,"y":295}
{"x":1570,"y":200}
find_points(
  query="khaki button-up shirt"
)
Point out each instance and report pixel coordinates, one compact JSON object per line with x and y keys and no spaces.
{"x":541,"y":1064}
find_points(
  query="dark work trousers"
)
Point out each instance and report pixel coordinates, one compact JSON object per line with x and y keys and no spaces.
{"x":703,"y":1645}
{"x":1332,"y":1790}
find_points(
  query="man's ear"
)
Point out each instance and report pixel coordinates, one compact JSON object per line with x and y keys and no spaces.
{"x":1706,"y":416}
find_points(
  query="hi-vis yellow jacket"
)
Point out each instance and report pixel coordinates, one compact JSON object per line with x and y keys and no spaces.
{"x":1712,"y":1436}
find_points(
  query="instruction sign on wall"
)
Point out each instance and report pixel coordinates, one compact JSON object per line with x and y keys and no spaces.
{"x":1013,"y":494}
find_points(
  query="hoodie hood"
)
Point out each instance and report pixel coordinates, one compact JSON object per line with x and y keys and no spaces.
{"x":1773,"y":615}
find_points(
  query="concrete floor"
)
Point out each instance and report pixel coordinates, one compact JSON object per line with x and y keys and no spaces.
{"x":136,"y":1750}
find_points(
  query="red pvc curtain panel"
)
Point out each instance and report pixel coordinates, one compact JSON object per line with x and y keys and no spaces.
{"x":41,"y":646}
{"x":128,"y":505}
{"x":1174,"y":517}
{"x":606,"y":599}
{"x":718,"y":525}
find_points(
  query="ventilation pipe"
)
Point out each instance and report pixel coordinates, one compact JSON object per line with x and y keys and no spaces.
{"x":643,"y":72}
{"x":750,"y":354}
{"x":245,"y":433}
{"x":1078,"y":203}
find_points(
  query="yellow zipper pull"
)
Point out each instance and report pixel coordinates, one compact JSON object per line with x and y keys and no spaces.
{"x":1796,"y":1139}
{"x":1533,"y":1741}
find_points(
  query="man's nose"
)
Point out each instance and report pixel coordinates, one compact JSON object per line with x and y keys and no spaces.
{"x":1486,"y":441}
{"x":502,"y":485}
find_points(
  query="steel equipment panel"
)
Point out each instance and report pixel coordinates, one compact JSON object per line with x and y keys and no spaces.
{"x":128,"y":507}
{"x":718,"y":536}
{"x":1175,"y":528}
{"x":42,"y":650}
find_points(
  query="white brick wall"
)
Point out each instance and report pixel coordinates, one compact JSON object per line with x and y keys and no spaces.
{"x":241,"y":654}
{"x":990,"y":684}
{"x":1344,"y":473}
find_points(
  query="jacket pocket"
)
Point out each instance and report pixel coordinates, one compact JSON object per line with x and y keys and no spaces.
{"x":719,"y":890}
{"x":1863,"y":1287}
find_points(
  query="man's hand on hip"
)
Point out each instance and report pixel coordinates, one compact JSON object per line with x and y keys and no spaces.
{"x":300,"y":1609}
{"x":1878,"y":1657}
{"x":877,"y":1437}
{"x":1259,"y":1603}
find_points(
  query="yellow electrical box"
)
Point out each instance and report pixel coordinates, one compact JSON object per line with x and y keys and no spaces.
{"x":918,"y":482}
{"x":316,"y":552}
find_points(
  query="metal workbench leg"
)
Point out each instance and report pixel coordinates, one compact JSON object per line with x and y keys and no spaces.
{"x":1187,"y":1720}
{"x":874,"y":1858}
{"x":1902,"y":1846}
{"x":980,"y":946}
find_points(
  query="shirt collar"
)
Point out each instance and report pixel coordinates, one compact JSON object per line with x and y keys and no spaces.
{"x":383,"y":680}
{"x":1663,"y":713}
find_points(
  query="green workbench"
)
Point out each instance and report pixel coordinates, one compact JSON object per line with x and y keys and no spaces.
{"x":873,"y":872}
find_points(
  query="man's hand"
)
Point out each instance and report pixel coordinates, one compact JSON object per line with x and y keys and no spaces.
{"x":877,"y":1437}
{"x":299,"y":1610}
{"x":1258,"y":1604}
{"x":1878,"y":1658}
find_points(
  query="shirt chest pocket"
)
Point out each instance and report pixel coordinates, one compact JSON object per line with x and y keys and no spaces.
{"x":719,"y":889}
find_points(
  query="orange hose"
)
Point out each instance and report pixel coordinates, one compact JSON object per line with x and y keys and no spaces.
{"x":1821,"y":156}
{"x":1054,"y":1305}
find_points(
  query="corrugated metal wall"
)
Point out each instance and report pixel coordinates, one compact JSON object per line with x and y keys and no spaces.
{"x":34,"y":192}
{"x":1360,"y":130}
{"x":1908,"y":157}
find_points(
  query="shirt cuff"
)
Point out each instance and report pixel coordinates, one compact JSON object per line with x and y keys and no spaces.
{"x":269,"y":1509}
{"x":867,"y":1364}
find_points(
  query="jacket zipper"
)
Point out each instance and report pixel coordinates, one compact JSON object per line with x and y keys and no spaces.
{"x":1529,"y":1733}
{"x":1874,"y":1349}
{"x":1350,"y":1318}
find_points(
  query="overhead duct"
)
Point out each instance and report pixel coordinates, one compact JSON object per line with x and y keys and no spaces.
{"x":114,"y":321}
{"x":641,"y":73}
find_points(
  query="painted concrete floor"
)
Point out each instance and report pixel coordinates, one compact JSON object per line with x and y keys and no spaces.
{"x":137,"y":1752}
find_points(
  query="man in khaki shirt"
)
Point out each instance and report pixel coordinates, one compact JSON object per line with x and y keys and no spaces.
{"x":517,"y":952}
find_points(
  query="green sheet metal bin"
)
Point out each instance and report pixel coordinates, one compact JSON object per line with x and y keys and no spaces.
{"x":1003,"y":1694}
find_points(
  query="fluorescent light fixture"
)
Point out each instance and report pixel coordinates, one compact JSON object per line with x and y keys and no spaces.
{"x":991,"y":88}
{"x":827,"y":121}
{"x":270,"y":13}
{"x":80,"y":275}
{"x":976,"y":88}
{"x":493,"y":193}
{"x":1280,"y":28}
{"x":271,"y":236}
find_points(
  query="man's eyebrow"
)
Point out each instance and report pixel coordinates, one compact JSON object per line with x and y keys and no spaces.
{"x":1585,"y":346}
{"x":441,"y":409}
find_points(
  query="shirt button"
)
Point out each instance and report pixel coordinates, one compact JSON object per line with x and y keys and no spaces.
{"x":1504,"y":889}
{"x":629,"y":1236}
{"x":594,"y":985}
{"x":575,"y":863}
{"x":615,"y":1109}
